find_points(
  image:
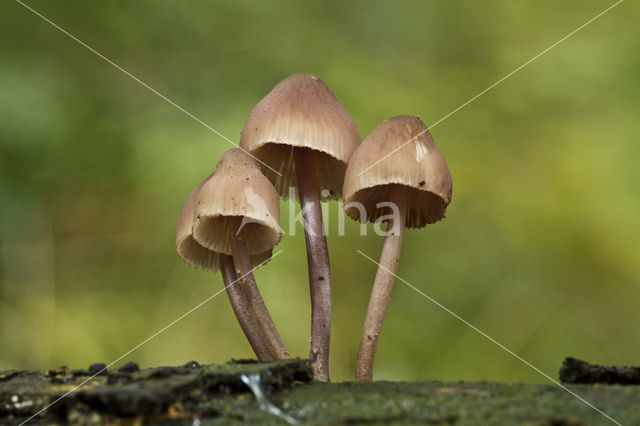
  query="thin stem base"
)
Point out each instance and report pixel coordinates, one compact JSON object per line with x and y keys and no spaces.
{"x":240,"y":306}
{"x":317,"y":262}
{"x":382,"y":287}
{"x":258,"y":309}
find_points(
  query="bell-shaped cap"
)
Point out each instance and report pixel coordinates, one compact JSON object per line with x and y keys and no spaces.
{"x":301,"y":111}
{"x":237,"y":199}
{"x":190,"y":250}
{"x":417,"y":166}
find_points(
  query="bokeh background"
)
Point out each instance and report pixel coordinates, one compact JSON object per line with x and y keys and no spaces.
{"x":540,"y":248}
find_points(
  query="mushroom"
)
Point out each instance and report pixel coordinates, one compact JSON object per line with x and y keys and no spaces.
{"x":237,"y":214}
{"x":200,"y":257}
{"x":411,"y":187}
{"x":306,"y":137}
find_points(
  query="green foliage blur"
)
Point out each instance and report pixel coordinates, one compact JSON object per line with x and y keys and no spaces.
{"x":540,"y":248}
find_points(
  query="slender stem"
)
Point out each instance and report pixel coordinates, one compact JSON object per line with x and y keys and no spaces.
{"x":240,"y":306}
{"x":258,"y":309}
{"x":382,"y":286}
{"x":317,"y":262}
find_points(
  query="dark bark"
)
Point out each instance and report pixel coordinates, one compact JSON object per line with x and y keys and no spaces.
{"x":216,"y":394}
{"x":577,"y":371}
{"x":153,"y":395}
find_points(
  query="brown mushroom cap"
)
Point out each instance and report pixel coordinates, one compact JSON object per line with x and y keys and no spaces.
{"x":237,"y":191}
{"x":190,"y":250}
{"x":301,"y":111}
{"x":417,"y":166}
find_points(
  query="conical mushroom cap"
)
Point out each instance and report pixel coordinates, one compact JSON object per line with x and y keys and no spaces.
{"x":416,"y":166}
{"x":237,"y":191}
{"x":190,"y":250}
{"x":301,"y":111}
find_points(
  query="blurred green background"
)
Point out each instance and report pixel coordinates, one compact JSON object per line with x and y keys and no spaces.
{"x":539,"y":250}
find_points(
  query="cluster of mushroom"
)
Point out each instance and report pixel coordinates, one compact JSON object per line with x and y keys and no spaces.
{"x":308,"y":147}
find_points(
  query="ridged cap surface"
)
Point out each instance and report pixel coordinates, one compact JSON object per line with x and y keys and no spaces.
{"x":418,"y":167}
{"x":301,"y":111}
{"x":190,"y":250}
{"x":237,"y":190}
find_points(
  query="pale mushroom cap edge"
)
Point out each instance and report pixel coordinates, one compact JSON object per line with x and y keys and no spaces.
{"x":237,"y":189}
{"x":193,"y":253}
{"x":301,"y":111}
{"x":417,"y":166}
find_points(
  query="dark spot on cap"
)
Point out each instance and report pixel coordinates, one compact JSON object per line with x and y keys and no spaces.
{"x":421,"y":183}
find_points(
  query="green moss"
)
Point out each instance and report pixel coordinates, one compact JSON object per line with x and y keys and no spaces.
{"x":458,"y":403}
{"x":216,"y":395}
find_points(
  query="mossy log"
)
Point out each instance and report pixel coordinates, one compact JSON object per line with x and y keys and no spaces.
{"x":196,"y":394}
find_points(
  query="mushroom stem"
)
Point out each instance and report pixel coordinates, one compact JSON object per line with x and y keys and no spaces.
{"x":258,"y":309}
{"x":382,"y":286}
{"x":240,"y":306}
{"x":317,"y":262}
